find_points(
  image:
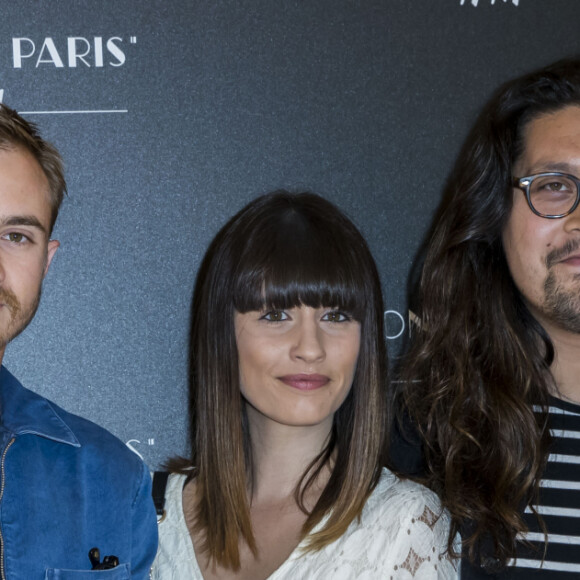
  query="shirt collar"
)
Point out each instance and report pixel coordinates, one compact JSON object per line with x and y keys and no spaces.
{"x":24,"y":412}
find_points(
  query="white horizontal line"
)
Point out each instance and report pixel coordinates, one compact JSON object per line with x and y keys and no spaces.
{"x":555,"y":411}
{"x":74,"y":112}
{"x":558,"y":484}
{"x":560,"y":566}
{"x":565,"y":433}
{"x":556,"y":511}
{"x":552,"y":538}
{"x":559,"y":458}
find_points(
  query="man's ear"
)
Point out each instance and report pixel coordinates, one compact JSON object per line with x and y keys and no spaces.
{"x":51,"y":251}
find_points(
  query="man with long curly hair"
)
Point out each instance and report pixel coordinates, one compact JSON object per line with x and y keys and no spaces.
{"x":492,"y":377}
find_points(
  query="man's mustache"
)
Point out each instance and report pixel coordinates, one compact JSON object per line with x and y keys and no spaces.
{"x":9,"y":299}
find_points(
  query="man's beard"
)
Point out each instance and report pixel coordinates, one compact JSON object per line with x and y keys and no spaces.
{"x":19,"y":317}
{"x":562,"y":301}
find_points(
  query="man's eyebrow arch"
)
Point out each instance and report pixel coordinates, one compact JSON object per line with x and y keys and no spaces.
{"x":558,"y":166}
{"x":22,"y":220}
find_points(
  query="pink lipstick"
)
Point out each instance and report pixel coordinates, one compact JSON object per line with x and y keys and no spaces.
{"x":305,"y":382}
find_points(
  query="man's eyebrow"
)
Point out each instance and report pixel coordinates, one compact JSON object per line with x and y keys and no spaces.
{"x":550,"y":166}
{"x":22,"y":220}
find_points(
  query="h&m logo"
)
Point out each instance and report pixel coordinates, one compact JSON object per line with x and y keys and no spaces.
{"x":72,"y":52}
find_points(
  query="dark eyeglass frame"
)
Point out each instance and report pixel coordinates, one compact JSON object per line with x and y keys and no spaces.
{"x":524,"y":184}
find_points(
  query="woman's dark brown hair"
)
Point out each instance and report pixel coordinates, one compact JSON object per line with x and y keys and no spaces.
{"x":281,"y":251}
{"x":480,"y":361}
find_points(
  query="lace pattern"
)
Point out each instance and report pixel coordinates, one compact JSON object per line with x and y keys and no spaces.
{"x":402,"y":535}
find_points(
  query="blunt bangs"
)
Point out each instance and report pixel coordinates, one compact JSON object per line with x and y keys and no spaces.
{"x":298,"y":258}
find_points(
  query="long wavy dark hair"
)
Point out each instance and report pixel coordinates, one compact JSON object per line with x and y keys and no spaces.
{"x":479,"y":361}
{"x":282,"y":250}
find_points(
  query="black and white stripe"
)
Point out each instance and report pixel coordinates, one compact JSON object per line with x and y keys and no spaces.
{"x":559,"y":505}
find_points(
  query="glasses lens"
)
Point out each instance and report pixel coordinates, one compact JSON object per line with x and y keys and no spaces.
{"x":553,"y":194}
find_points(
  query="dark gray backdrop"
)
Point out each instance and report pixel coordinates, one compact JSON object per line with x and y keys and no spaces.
{"x":172,"y":114}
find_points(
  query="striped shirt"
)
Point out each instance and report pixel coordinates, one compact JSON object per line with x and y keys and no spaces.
{"x":559,"y":505}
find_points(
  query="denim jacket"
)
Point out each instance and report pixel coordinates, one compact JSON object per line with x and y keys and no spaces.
{"x":67,"y":486}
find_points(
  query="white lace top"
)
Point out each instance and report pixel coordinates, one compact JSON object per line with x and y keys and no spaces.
{"x":399,"y":537}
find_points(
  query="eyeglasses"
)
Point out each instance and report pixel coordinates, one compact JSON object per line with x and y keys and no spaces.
{"x":550,"y":195}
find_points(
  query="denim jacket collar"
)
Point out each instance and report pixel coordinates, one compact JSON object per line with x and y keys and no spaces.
{"x":23,"y":412}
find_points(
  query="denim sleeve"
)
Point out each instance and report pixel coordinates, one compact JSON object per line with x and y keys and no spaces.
{"x":144,"y":541}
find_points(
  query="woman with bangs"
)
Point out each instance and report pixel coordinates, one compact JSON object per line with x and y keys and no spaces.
{"x":288,"y":395}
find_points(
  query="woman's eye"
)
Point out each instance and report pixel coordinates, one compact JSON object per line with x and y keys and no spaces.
{"x":336,"y":316}
{"x":275,"y":316}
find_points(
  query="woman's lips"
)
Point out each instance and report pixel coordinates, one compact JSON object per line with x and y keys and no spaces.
{"x":305,"y":382}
